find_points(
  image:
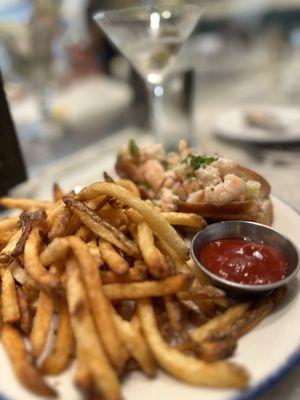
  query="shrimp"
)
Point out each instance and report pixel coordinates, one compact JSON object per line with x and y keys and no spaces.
{"x":153,"y":173}
{"x":224,"y":166}
{"x":231,"y":189}
{"x":196,"y":197}
{"x":208,"y":176}
{"x":168,"y":200}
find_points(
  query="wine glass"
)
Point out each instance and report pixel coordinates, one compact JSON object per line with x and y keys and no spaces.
{"x":151,"y":37}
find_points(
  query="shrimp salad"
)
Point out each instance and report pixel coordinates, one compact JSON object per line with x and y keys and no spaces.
{"x":183,"y":176}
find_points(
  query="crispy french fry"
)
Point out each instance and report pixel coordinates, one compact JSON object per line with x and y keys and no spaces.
{"x":61,"y":355}
{"x":137,"y":290}
{"x":27,"y":374}
{"x":185,"y":219}
{"x":100,"y":306}
{"x":100,"y":227}
{"x":56,"y":250}
{"x":24,"y":204}
{"x":113,"y":259}
{"x":156,"y":262}
{"x":5,"y":237}
{"x":136,"y":345}
{"x":83,"y":376}
{"x":129,"y":185}
{"x":9,"y":223}
{"x":25,"y":314}
{"x":41,"y":323}
{"x":9,"y":300}
{"x":95,"y":252}
{"x":61,"y":223}
{"x":57,"y":192}
{"x":137,"y":273}
{"x":20,"y":275}
{"x":180,"y":265}
{"x":11,"y":245}
{"x":173,"y":312}
{"x":157,"y":223}
{"x":84,"y":233}
{"x":184,"y":367}
{"x":104,"y":377}
{"x":220,"y":322}
{"x":32,"y":263}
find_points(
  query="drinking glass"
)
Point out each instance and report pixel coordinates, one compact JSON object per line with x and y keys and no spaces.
{"x":151,"y":37}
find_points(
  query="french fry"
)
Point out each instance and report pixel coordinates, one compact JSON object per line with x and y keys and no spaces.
{"x":185,"y":219}
{"x":137,"y":290}
{"x":61,"y":223}
{"x":129,"y":185}
{"x":9,"y":223}
{"x":57,"y":192}
{"x":173,"y":312}
{"x":11,"y":245}
{"x":25,"y":314}
{"x":32,"y":263}
{"x":84,"y":233}
{"x":5,"y":237}
{"x":83,"y":377}
{"x":20,"y":275}
{"x":20,"y":360}
{"x":100,"y":306}
{"x":100,"y":227}
{"x":9,"y":300}
{"x":103,"y":375}
{"x":156,"y":262}
{"x":95,"y":252}
{"x":41,"y":323}
{"x":136,"y":345}
{"x":56,"y":250}
{"x":184,"y":367}
{"x":137,"y":273}
{"x":157,"y":223}
{"x":227,"y":319}
{"x":61,"y":355}
{"x":24,"y":204}
{"x":113,"y":259}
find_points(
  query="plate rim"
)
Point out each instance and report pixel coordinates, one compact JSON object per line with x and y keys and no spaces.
{"x":264,"y":140}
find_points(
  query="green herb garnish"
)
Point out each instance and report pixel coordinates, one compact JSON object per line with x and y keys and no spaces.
{"x":146,"y":185}
{"x":133,"y":148}
{"x":197,"y":162}
{"x":165,"y":164}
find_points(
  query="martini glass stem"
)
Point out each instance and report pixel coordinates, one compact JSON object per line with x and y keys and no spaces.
{"x":158,"y":122}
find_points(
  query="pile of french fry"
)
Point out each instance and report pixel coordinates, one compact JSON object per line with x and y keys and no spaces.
{"x":108,"y":277}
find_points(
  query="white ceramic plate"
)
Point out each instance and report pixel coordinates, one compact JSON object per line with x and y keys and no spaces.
{"x":231,"y":125}
{"x":268,"y":352}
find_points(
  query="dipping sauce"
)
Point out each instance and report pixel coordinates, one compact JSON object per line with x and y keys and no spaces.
{"x":244,"y":261}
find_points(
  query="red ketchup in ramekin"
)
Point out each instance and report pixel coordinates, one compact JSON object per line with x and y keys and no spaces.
{"x":244,"y":261}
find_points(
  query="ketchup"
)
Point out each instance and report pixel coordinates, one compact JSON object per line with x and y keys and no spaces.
{"x":243,"y":261}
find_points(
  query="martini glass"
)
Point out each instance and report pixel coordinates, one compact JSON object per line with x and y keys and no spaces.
{"x":151,"y":37}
